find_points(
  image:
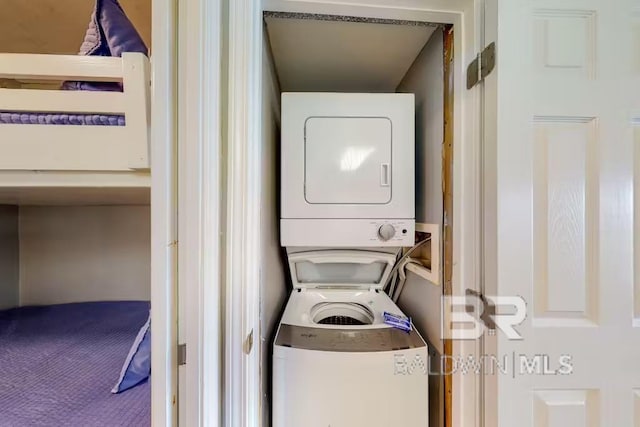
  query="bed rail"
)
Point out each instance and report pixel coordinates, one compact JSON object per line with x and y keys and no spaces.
{"x":74,"y":147}
{"x":60,"y":67}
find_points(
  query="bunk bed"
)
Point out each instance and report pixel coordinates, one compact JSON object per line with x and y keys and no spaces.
{"x":63,"y":146}
{"x":74,"y":130}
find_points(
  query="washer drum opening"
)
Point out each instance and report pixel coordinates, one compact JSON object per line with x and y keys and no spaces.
{"x":341,"y":313}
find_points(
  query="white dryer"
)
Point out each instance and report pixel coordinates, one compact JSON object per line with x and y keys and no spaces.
{"x":348,"y":169}
{"x":335,"y":362}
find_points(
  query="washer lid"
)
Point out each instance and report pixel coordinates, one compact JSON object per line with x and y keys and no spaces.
{"x":354,"y":269}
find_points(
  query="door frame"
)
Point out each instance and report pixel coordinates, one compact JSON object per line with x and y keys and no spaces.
{"x":199,"y":201}
{"x":163,"y":214}
{"x":242,"y":329}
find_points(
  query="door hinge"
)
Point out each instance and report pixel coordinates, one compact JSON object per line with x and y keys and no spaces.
{"x":486,"y":312}
{"x":482,"y":66}
{"x":248,"y":343}
{"x":182,"y":354}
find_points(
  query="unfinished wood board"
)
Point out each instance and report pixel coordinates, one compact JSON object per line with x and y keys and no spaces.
{"x":447,"y":178}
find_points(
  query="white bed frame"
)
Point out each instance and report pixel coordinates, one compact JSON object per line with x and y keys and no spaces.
{"x":87,"y":148}
{"x":34,"y":157}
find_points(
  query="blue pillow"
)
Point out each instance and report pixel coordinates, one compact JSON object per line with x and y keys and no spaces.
{"x":137,"y":366}
{"x":110,"y":33}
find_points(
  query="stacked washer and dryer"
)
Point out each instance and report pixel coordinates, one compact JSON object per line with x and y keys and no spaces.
{"x":347,"y":193}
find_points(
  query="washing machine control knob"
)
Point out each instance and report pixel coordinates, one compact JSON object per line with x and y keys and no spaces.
{"x":386,"y":232}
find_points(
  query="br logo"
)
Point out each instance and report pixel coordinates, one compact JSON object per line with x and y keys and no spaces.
{"x":469,"y":317}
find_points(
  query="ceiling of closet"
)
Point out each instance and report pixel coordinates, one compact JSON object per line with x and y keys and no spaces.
{"x":58,"y":26}
{"x":322,"y":55}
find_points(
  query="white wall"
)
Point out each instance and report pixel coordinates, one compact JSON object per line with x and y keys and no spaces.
{"x":425,"y":79}
{"x":84,"y":253}
{"x":421,"y":299}
{"x":273,"y":281}
{"x":9,"y":262}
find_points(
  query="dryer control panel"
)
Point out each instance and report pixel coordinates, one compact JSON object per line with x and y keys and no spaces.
{"x":347,"y":232}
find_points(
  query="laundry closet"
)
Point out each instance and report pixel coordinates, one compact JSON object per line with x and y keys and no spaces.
{"x":527,"y":164}
{"x":350,"y":55}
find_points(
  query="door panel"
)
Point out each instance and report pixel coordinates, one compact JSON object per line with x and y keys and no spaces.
{"x":561,"y":159}
{"x":564,"y":220}
{"x":562,"y":408}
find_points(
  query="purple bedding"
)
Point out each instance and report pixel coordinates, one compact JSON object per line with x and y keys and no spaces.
{"x":58,"y":364}
{"x":61,"y":119}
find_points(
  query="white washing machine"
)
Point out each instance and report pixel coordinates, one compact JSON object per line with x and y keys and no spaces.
{"x":335,"y":362}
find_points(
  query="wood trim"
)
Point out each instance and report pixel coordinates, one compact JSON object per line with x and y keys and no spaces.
{"x":209,"y":378}
{"x":448,"y":219}
{"x":69,"y":148}
{"x":136,"y":82}
{"x":66,"y":101}
{"x":163,"y":216}
{"x":78,"y":148}
{"x":73,"y":179}
{"x":242,"y":245}
{"x":199,"y":212}
{"x":27,"y":66}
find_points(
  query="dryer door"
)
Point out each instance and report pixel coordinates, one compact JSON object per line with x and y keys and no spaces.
{"x":347,"y":160}
{"x":348,"y":156}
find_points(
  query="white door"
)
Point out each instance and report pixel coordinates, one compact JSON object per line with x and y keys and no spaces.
{"x":561,"y":154}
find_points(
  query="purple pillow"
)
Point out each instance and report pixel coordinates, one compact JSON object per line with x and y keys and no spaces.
{"x":110,"y":33}
{"x":137,"y":365}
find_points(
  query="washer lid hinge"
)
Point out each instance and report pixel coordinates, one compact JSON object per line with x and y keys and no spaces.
{"x":482,"y":66}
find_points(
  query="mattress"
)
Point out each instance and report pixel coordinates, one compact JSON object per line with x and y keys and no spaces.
{"x":58,"y":364}
{"x":61,"y":119}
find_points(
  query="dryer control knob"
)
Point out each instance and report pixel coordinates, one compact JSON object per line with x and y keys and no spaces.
{"x":386,"y":232}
